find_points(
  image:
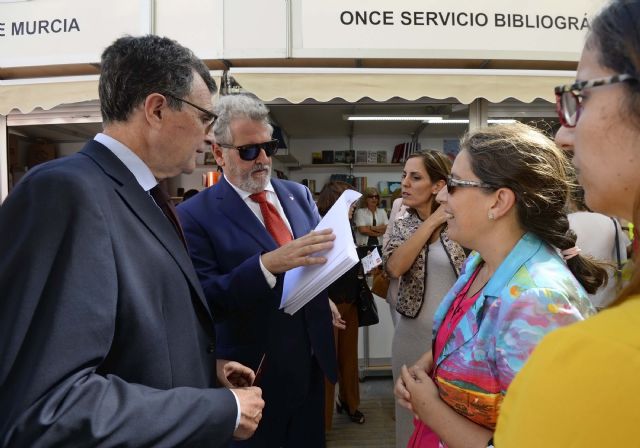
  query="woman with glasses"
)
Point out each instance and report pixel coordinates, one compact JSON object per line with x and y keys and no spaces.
{"x":370,"y":221}
{"x":505,"y":200}
{"x":580,"y":386}
{"x":420,"y":255}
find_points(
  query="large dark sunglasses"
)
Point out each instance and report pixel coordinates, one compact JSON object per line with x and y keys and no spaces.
{"x":252,"y":150}
{"x":452,"y":184}
{"x":209,"y":117}
{"x":569,"y":97}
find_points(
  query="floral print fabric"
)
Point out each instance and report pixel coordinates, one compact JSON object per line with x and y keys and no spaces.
{"x":529,"y":295}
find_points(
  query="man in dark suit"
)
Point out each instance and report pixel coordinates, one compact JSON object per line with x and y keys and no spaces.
{"x":105,"y":336}
{"x":243,"y":235}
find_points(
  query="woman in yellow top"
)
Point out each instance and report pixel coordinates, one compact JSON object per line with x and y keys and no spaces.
{"x":580,"y":386}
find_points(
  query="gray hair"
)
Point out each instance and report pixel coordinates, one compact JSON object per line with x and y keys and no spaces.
{"x":232,"y":107}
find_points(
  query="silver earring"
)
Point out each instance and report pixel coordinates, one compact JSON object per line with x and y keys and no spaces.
{"x":490,"y":216}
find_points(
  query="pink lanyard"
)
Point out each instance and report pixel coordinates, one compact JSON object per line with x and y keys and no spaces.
{"x":458,"y":308}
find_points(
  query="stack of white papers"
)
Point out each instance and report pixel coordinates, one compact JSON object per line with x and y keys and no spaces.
{"x":304,"y":283}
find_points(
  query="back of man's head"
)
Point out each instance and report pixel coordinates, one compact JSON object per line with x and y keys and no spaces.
{"x":134,"y":67}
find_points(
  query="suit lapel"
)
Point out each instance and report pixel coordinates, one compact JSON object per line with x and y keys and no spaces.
{"x":239,"y":213}
{"x":292,"y":209}
{"x":142,"y":205}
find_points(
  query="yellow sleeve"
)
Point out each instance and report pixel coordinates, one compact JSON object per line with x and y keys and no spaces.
{"x":578,"y":389}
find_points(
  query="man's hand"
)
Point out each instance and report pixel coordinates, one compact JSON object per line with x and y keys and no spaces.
{"x":251,"y":405}
{"x":299,"y":252}
{"x":234,"y":374}
{"x":336,"y":318}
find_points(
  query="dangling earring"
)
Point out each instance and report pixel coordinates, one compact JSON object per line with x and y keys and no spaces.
{"x":490,"y":216}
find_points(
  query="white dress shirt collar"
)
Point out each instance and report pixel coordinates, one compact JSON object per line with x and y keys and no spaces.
{"x":138,"y":168}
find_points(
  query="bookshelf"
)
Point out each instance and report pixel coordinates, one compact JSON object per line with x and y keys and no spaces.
{"x":348,"y":166}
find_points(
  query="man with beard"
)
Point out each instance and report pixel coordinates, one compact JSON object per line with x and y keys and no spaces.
{"x":244,"y":234}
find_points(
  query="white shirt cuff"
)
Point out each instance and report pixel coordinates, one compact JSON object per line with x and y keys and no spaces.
{"x":239,"y":410}
{"x":268,"y":276}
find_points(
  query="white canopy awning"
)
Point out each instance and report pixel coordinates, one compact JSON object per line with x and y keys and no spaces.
{"x":297,"y":85}
{"x":26,"y":95}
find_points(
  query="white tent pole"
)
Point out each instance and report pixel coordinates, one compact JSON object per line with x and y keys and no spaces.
{"x":4,"y":162}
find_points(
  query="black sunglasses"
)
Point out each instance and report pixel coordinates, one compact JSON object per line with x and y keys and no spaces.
{"x":210,"y":117}
{"x":569,"y":97}
{"x":452,"y":184}
{"x":374,"y":196}
{"x":251,"y":151}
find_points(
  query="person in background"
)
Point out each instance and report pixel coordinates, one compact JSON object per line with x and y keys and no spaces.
{"x":397,"y":209}
{"x":506,"y":200}
{"x":189,"y":194}
{"x":105,"y":336}
{"x":343,"y":292}
{"x":580,"y":386}
{"x":244,"y":234}
{"x":601,"y":237}
{"x":371,"y":221}
{"x":420,"y":255}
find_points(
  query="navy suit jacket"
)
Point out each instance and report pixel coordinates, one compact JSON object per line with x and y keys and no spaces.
{"x":225,"y":241}
{"x":105,"y":336}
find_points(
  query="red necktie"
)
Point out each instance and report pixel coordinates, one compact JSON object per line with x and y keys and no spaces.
{"x":165,"y":204}
{"x":272,"y":219}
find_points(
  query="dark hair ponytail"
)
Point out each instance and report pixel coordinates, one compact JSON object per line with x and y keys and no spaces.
{"x":521,"y":158}
{"x":556,"y":232}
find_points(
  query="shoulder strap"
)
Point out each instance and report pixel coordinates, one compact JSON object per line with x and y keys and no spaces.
{"x":618,"y":258}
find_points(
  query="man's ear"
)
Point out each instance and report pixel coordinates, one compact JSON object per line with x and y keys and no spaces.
{"x":155,"y":106}
{"x":217,"y":154}
{"x":505,"y":200}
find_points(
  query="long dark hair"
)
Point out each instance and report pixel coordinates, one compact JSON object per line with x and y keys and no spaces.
{"x":615,"y":33}
{"x":437,"y":165}
{"x":330,"y":194}
{"x":521,"y":158}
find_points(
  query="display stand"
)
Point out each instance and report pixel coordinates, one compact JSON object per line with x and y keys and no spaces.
{"x":375,"y":353}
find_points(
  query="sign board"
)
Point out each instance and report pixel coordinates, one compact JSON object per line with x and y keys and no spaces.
{"x":47,"y":32}
{"x":196,"y":24}
{"x":458,"y":29}
{"x":255,"y":29}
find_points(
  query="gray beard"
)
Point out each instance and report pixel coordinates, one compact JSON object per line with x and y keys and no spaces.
{"x":254,"y":186}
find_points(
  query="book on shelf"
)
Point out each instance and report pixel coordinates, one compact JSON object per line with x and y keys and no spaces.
{"x":382,"y":157}
{"x":372,"y":157}
{"x":360,"y":183}
{"x":404,"y":150}
{"x":316,"y":157}
{"x":383,"y":187}
{"x":310,"y":184}
{"x":393,"y":186}
{"x":327,"y":157}
{"x":361,"y":156}
{"x":451,"y":147}
{"x":340,"y":157}
{"x":350,"y":157}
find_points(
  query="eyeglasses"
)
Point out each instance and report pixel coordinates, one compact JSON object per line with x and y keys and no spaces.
{"x":452,"y":184}
{"x":209,"y":119}
{"x":569,"y":97}
{"x":252,"y":150}
{"x":374,"y":196}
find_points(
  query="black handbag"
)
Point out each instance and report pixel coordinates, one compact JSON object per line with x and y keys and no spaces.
{"x":367,"y":310}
